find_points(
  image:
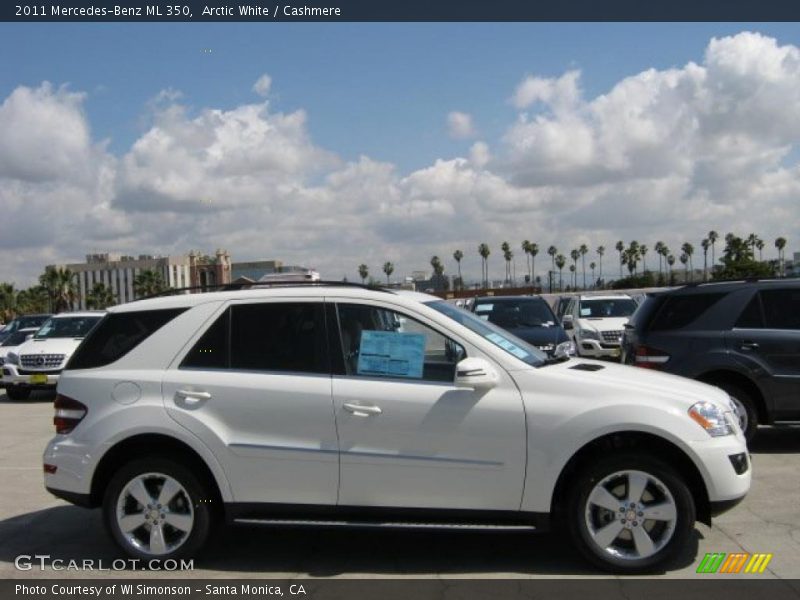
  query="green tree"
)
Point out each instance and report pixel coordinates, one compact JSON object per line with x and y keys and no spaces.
{"x":560,"y":261}
{"x":61,"y":287}
{"x":601,"y":250}
{"x":592,"y":266}
{"x":100,"y":297}
{"x":584,"y":250}
{"x":458,"y":255}
{"x":780,"y":244}
{"x":363,"y":272}
{"x":688,"y":250}
{"x":534,"y":250}
{"x":620,"y":246}
{"x":713,"y":236}
{"x":505,"y":247}
{"x":485,"y":251}
{"x":388,"y":268}
{"x":738,"y":260}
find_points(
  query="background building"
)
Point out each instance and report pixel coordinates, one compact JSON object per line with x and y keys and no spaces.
{"x":255,"y":270}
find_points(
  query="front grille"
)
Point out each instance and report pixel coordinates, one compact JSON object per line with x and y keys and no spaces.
{"x":42,"y":361}
{"x":39,"y":371}
{"x":612,"y":337}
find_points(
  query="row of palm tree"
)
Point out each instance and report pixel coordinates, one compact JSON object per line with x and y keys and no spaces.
{"x":630,"y":257}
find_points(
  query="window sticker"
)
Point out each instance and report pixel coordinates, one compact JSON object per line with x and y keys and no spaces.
{"x":507,"y":345}
{"x":586,"y":312}
{"x":391,"y":353}
{"x":484,"y":308}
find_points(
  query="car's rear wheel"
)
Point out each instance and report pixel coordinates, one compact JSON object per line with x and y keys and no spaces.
{"x":157,"y":509}
{"x":745,"y":407}
{"x":18,"y":392}
{"x":629,"y":513}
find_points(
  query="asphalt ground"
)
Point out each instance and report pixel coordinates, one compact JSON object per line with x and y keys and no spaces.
{"x":32,"y":522}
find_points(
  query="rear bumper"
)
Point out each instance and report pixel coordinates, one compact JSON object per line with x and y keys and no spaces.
{"x":75,"y":498}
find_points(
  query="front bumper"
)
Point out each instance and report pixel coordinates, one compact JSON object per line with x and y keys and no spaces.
{"x":594,"y":349}
{"x":726,"y":488}
{"x":17,"y":376}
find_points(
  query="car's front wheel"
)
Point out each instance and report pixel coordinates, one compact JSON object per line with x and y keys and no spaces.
{"x":157,"y":509}
{"x":629,"y":513}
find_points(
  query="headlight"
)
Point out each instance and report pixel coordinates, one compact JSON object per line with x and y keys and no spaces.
{"x":565,"y":349}
{"x":12,"y":358}
{"x":589,"y":334}
{"x":711,"y":418}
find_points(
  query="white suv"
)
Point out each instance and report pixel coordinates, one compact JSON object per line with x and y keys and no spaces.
{"x":333,"y":403}
{"x":37,"y":363}
{"x":596,"y":323}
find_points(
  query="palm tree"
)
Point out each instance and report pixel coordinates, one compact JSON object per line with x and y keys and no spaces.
{"x":780,"y":244}
{"x":752,"y":240}
{"x":148,"y":283}
{"x":670,"y":262}
{"x":574,"y":270}
{"x":485,"y":251}
{"x":49,"y":281}
{"x":506,"y":249}
{"x":659,"y":248}
{"x":688,"y":250}
{"x":552,"y":251}
{"x":592,"y":266}
{"x":363,"y":272}
{"x":600,"y":251}
{"x":458,"y":255}
{"x":584,"y":250}
{"x":633,"y":255}
{"x":526,"y":250}
{"x":705,"y":244}
{"x":620,"y":247}
{"x":100,"y":297}
{"x":388,"y":268}
{"x":684,"y":258}
{"x":533,"y":251}
{"x":560,"y":261}
{"x":8,"y":301}
{"x":713,"y":236}
{"x":642,"y":251}
{"x":760,"y":246}
{"x":575,"y":254}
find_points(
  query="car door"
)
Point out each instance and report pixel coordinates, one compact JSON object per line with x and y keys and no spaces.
{"x":256,"y":388}
{"x":408,"y":437}
{"x":767,"y":335}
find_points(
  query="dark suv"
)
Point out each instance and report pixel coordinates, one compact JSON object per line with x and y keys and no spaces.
{"x":743,"y":337}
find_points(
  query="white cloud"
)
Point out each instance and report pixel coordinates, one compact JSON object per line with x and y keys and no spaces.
{"x":459,"y":125}
{"x":262,"y":85}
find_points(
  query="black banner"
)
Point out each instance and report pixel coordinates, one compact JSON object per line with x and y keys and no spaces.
{"x":402,"y":10}
{"x":405,"y":589}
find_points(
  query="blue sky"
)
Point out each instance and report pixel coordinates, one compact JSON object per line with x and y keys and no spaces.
{"x":571,"y":134}
{"x":380,"y":89}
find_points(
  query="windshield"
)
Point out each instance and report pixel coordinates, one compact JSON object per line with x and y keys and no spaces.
{"x":524,"y":312}
{"x":499,"y":337}
{"x":608,"y":307}
{"x":67,"y":327}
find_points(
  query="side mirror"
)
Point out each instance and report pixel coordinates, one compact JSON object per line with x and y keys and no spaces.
{"x":566,"y":321}
{"x":29,"y":337}
{"x":476,"y":373}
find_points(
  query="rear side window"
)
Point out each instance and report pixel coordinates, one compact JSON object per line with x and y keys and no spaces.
{"x":680,"y":310}
{"x":211,"y":350}
{"x":781,"y":308}
{"x":117,"y":334}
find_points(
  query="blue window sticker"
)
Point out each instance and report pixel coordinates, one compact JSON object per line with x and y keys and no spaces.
{"x":508,"y":345}
{"x":391,"y":353}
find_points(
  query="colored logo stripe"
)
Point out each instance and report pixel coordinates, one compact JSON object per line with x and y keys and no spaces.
{"x":720,"y":562}
{"x":758,"y":563}
{"x":711,"y":562}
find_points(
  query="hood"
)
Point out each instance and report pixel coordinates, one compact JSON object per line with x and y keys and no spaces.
{"x":599,"y":381}
{"x":603,"y":323}
{"x":49,"y":346}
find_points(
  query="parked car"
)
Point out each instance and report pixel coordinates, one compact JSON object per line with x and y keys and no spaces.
{"x":11,"y":343}
{"x":595,"y":323}
{"x":23,"y":322}
{"x":335,"y":403}
{"x":560,"y":306}
{"x":743,"y":337}
{"x":529,"y":318}
{"x":38,"y":362}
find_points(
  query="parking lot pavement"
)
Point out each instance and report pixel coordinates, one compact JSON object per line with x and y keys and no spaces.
{"x":34,"y":523}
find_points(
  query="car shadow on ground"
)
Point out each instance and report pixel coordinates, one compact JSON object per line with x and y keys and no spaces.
{"x":69,"y":533}
{"x":783,"y":439}
{"x":36,"y":397}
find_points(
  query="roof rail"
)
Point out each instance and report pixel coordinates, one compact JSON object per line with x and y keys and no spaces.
{"x":735,"y":280}
{"x":246,"y":285}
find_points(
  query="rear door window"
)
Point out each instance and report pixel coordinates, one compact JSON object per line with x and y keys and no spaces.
{"x":781,"y":308}
{"x":680,"y":310}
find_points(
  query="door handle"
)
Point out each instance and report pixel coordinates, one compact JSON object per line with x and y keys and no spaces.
{"x":748,"y":346}
{"x":362,"y":411}
{"x":190,"y":397}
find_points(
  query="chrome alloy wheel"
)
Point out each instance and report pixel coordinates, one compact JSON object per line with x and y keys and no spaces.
{"x":630,"y":515}
{"x":154,"y":513}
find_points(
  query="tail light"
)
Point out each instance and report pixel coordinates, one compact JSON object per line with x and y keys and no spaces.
{"x":649,"y":358}
{"x":69,"y":413}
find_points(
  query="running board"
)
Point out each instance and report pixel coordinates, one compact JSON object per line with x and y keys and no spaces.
{"x":388,"y":524}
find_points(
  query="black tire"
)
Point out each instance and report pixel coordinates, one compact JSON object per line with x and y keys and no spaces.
{"x":622,"y":554}
{"x":744,"y":400}
{"x":18,"y":392}
{"x":194,"y":499}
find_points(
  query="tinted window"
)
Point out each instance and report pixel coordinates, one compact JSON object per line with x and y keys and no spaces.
{"x":211,"y":350}
{"x":602,"y":308}
{"x":279,"y":337}
{"x":781,"y":308}
{"x":378,"y":342}
{"x":117,"y":334}
{"x":525,"y":312}
{"x":682,"y":309}
{"x":751,"y":317}
{"x":67,"y":327}
{"x":16,"y":338}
